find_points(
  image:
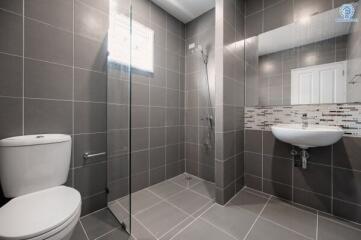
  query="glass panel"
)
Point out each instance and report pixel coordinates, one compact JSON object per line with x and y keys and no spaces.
{"x":119,"y":83}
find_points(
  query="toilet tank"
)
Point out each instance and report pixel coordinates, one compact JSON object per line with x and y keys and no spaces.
{"x":34,"y":162}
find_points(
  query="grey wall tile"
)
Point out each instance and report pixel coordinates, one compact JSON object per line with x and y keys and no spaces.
{"x":346,"y":185}
{"x":11,"y":26}
{"x":278,"y":169}
{"x":12,"y":5}
{"x":103,"y":5}
{"x":118,"y":116}
{"x":311,"y":199}
{"x":90,"y":179}
{"x":11,"y":76}
{"x":46,"y":80}
{"x":347,"y":210}
{"x":253,"y":182}
{"x":274,"y":147}
{"x":157,"y":116}
{"x":89,"y":117}
{"x":140,"y":161}
{"x":90,"y":54}
{"x":157,"y":137}
{"x":253,"y":6}
{"x":347,"y":152}
{"x":284,"y":13}
{"x":254,"y":24}
{"x":317,"y":179}
{"x":43,"y":116}
{"x":95,"y":29}
{"x":277,"y":189}
{"x":140,"y":181}
{"x":48,"y":43}
{"x":157,"y":157}
{"x":89,"y":143}
{"x":90,"y":86}
{"x":92,"y":204}
{"x":140,"y":139}
{"x":11,"y":117}
{"x":157,"y":175}
{"x":309,"y":7}
{"x":253,"y":164}
{"x":253,"y":141}
{"x":58,"y":13}
{"x":140,"y":116}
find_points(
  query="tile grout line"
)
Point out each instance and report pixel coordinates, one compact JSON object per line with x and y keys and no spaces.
{"x":23,"y":69}
{"x":219,"y":228}
{"x":103,"y":235}
{"x":192,"y":190}
{"x":175,"y":226}
{"x":317,"y":225}
{"x":131,"y":215}
{"x":86,"y":234}
{"x":284,"y":227}
{"x":259,"y":215}
{"x":195,"y":219}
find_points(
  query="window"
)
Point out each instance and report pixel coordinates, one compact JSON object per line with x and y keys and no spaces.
{"x":142,"y":43}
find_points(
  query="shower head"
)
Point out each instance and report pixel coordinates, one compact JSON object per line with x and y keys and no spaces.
{"x":193,"y":47}
{"x":198,"y":48}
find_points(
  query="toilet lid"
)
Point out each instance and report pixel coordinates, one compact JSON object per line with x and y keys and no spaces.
{"x":37,"y":213}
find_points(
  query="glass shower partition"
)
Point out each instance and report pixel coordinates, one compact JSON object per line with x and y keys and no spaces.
{"x":118,"y":111}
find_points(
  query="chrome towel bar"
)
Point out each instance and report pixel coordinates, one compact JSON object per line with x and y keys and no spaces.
{"x":87,"y":155}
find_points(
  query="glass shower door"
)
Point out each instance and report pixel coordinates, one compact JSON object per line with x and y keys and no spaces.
{"x":118,"y":111}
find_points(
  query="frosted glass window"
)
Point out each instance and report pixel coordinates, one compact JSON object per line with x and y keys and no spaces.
{"x":142,"y":43}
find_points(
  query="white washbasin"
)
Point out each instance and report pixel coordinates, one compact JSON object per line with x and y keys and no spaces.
{"x":311,"y":136}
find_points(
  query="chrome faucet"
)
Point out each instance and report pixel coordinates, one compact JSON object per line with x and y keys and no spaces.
{"x":304,"y":120}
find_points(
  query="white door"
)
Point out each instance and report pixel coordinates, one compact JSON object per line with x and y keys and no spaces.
{"x":324,"y":83}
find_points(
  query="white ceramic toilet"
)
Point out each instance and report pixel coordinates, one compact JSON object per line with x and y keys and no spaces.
{"x":32,"y":171}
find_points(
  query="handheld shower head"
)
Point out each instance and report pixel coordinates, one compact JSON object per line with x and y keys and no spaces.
{"x":198,"y":48}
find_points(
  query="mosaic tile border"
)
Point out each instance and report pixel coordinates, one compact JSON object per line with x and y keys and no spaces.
{"x":347,"y":116}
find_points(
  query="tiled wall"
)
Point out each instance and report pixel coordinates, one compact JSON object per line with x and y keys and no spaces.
{"x":229,"y":98}
{"x":199,"y":136}
{"x":332,"y":181}
{"x":346,"y":116}
{"x":53,"y":80}
{"x":157,"y":107}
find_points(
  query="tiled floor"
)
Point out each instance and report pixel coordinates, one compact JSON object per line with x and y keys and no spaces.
{"x":181,"y":210}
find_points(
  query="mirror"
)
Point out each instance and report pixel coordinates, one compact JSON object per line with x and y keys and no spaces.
{"x":314,"y":60}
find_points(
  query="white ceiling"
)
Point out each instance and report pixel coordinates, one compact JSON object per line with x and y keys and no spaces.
{"x":185,"y":10}
{"x":319,"y":27}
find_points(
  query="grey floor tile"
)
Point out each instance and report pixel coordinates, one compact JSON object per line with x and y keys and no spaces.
{"x":202,"y":230}
{"x":166,"y":189}
{"x":189,"y":201}
{"x":184,"y":181}
{"x":291,"y":217}
{"x":140,"y":200}
{"x":332,"y":230}
{"x":160,"y":218}
{"x":248,"y":201}
{"x":139,"y":232}
{"x":205,"y":188}
{"x":78,"y":233}
{"x":177,"y":228}
{"x":99,"y":223}
{"x":264,"y":229}
{"x":116,"y":234}
{"x":203,"y":209}
{"x":236,"y":222}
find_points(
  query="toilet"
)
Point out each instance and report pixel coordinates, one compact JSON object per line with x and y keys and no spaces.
{"x":32,"y":171}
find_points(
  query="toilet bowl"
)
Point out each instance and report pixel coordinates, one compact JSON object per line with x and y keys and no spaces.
{"x":48,"y":214}
{"x":33,"y":170}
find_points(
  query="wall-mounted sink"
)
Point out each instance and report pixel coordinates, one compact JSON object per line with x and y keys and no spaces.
{"x":307,"y":137}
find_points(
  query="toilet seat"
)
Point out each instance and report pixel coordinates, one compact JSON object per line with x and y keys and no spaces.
{"x":41,"y":213}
